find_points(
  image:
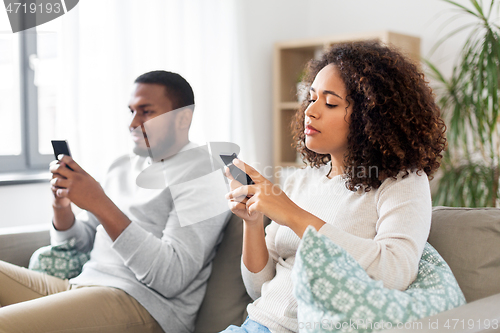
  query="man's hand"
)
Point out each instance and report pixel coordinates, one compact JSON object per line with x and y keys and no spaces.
{"x":75,"y":185}
{"x":59,"y":202}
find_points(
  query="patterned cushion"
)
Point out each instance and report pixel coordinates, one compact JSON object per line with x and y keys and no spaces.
{"x":335,"y":293}
{"x":62,"y":261}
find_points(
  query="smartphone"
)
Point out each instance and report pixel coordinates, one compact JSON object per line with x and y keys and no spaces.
{"x":61,"y":147}
{"x":237,"y":174}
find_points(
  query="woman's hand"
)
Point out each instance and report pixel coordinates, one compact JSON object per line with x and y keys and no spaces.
{"x":238,"y":205}
{"x":250,"y":202}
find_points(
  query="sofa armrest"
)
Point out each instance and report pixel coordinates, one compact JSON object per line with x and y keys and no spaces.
{"x":472,"y":317}
{"x":18,"y":244}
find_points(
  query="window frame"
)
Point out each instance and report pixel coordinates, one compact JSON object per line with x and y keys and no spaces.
{"x":30,"y":159}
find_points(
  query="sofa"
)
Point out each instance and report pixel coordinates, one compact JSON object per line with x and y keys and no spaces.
{"x":467,"y":238}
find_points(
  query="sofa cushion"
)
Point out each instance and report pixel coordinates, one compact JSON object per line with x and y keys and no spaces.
{"x":226,"y":298}
{"x":63,"y":261}
{"x":334,"y":293}
{"x":469,"y":240}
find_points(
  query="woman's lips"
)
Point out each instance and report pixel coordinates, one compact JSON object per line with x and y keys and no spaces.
{"x":309,"y":130}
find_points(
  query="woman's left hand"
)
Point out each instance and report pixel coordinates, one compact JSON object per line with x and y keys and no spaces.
{"x":264,"y":197}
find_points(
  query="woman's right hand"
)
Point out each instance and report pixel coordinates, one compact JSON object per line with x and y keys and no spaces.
{"x":238,"y":205}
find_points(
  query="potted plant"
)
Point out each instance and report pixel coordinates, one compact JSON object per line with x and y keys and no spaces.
{"x":470,"y":103}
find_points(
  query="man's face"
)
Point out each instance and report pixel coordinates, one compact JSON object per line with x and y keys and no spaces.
{"x":151,"y":135}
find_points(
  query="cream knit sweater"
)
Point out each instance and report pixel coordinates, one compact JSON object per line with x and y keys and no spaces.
{"x":385,"y":230}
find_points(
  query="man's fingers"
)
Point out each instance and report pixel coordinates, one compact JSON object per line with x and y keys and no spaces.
{"x":60,"y":182}
{"x":69,"y":162}
{"x":58,"y":175}
{"x":60,"y":169}
{"x":62,"y":192}
{"x":53,"y":166}
{"x":55,"y":189}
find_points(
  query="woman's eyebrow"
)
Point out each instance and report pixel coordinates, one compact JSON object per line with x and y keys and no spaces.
{"x":328,"y":92}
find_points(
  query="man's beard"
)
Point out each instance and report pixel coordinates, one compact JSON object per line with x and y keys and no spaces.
{"x":141,"y":151}
{"x":161,"y":149}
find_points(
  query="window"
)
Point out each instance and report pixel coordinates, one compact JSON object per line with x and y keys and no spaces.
{"x":10,"y":100}
{"x":29,"y":70}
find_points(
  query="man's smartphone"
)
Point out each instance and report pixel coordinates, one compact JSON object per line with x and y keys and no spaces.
{"x":61,"y":147}
{"x":237,"y":174}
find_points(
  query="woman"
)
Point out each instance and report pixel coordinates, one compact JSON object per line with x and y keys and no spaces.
{"x":372,"y":136}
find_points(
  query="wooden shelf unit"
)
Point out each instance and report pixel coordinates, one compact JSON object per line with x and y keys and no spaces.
{"x":290,"y":58}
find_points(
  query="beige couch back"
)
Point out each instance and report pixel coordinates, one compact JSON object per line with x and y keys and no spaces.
{"x":469,"y":241}
{"x":226,"y":299}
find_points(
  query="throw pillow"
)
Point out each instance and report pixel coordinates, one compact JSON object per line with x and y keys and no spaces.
{"x":62,"y":261}
{"x":334,"y":293}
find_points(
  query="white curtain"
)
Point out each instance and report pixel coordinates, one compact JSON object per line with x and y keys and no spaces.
{"x":106,"y":44}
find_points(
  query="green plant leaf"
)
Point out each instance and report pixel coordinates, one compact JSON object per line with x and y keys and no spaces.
{"x":470,"y":105}
{"x":449,"y":35}
{"x":462,"y":7}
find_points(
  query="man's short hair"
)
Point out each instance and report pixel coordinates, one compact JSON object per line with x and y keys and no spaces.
{"x":177,"y":89}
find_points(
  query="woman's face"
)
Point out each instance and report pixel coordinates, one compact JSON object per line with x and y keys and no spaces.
{"x":326,"y":118}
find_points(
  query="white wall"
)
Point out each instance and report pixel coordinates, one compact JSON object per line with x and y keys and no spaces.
{"x":263,"y":23}
{"x":22,"y":205}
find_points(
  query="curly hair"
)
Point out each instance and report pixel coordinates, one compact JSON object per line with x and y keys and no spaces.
{"x":395,"y":124}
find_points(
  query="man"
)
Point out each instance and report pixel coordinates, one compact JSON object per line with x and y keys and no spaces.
{"x":149,"y":260}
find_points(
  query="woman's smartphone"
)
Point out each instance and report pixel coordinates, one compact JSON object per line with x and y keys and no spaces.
{"x":61,"y":147}
{"x":237,"y":174}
